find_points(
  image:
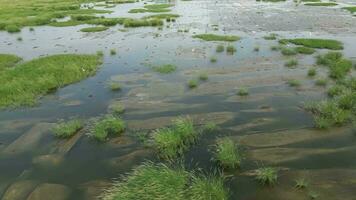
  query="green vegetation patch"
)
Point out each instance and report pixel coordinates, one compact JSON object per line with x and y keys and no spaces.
{"x":315,"y":43}
{"x":68,"y":129}
{"x":227,"y":153}
{"x":162,"y":16}
{"x":174,"y":141}
{"x":321,"y":4}
{"x":164,"y":69}
{"x":94,"y":29}
{"x":338,"y":66}
{"x":155,"y":8}
{"x":109,"y":125}
{"x":271,"y":36}
{"x":213,"y":37}
{"x":8,"y":60}
{"x":17,"y":14}
{"x":23,"y":84}
{"x":158,"y":181}
{"x":305,"y":50}
{"x":267,"y":176}
{"x":142,"y":22}
{"x":351,"y":9}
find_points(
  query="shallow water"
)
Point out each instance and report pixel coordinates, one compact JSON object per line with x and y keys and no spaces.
{"x":152,"y":100}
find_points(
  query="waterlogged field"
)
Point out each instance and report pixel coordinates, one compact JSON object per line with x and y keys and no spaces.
{"x":198,"y":99}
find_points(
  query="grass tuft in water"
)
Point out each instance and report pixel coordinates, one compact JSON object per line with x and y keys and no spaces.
{"x":312,"y":72}
{"x":301,"y":183}
{"x":305,"y":50}
{"x":220,"y":48}
{"x":164,"y":69}
{"x":117,"y":108}
{"x":288,"y":51}
{"x":174,"y":141}
{"x":227,"y":153}
{"x":94,"y":29}
{"x":321,"y":4}
{"x":193,"y":83}
{"x":208,"y":187}
{"x":294,"y":83}
{"x":315,"y":43}
{"x":230,"y":49}
{"x":321,"y":82}
{"x":291,"y":63}
{"x":106,"y":126}
{"x":213,"y":37}
{"x":213,"y":60}
{"x":203,"y":77}
{"x":271,"y":36}
{"x":267,"y":176}
{"x":243,"y":92}
{"x":112,"y":52}
{"x":115,"y":86}
{"x":67,"y":129}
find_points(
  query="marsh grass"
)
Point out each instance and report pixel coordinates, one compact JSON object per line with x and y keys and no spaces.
{"x":174,"y":141}
{"x":25,"y":83}
{"x":117,"y":108}
{"x":338,"y":66}
{"x":213,"y":37}
{"x":114,"y":86}
{"x":67,"y":129}
{"x":220,"y":48}
{"x":291,"y":63}
{"x":142,"y":22}
{"x":315,"y":43}
{"x":301,"y":183}
{"x":227,"y":153}
{"x":275,"y":48}
{"x":312,"y":72}
{"x":256,"y":49}
{"x":112,"y":52}
{"x":8,"y":60}
{"x":163,"y":16}
{"x":336,"y":90}
{"x":155,"y":8}
{"x":159,"y":181}
{"x":267,"y":176}
{"x":271,"y":36}
{"x":94,"y":29}
{"x":305,"y":50}
{"x":203,"y":77}
{"x":193,"y":83}
{"x":294,"y":83}
{"x":243,"y":92}
{"x":288,"y":51}
{"x":210,"y":126}
{"x":321,"y":4}
{"x":164,"y":69}
{"x":213,"y":59}
{"x":109,"y":125}
{"x":230,"y":49}
{"x":351,"y":9}
{"x":321,"y":82}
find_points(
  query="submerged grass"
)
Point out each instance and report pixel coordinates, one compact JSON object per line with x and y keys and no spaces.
{"x":155,"y":8}
{"x":213,"y":37}
{"x":158,"y":181}
{"x":338,"y":66}
{"x":164,"y":69}
{"x":267,"y":176}
{"x":315,"y":43}
{"x":227,"y":153}
{"x":8,"y":60}
{"x":23,"y":84}
{"x":321,"y":4}
{"x":106,"y":126}
{"x":68,"y":129}
{"x":94,"y":29}
{"x":174,"y":141}
{"x":351,"y":9}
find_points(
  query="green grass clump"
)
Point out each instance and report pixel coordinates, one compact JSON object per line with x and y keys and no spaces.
{"x":162,"y":16}
{"x":329,"y":58}
{"x":267,"y":176}
{"x":220,"y":48}
{"x":312,"y":72}
{"x":275,"y":48}
{"x":315,"y":43}
{"x":94,"y":29}
{"x":321,"y":82}
{"x":150,"y":181}
{"x":301,"y":183}
{"x":142,"y":22}
{"x":174,"y":141}
{"x":158,"y":181}
{"x":207,"y":188}
{"x":117,"y":108}
{"x":305,"y":50}
{"x":213,"y":59}
{"x":227,"y":153}
{"x":242,"y":92}
{"x":8,"y":60}
{"x":106,"y":126}
{"x":11,"y":28}
{"x":213,"y":37}
{"x":288,"y":51}
{"x":68,"y":129}
{"x":23,"y":84}
{"x":164,"y":69}
{"x":351,"y":9}
{"x":114,"y":86}
{"x":294,"y":83}
{"x":193,"y":83}
{"x":321,"y":4}
{"x":203,"y":77}
{"x":271,"y":36}
{"x":230,"y":49}
{"x":291,"y":63}
{"x":112,"y":52}
{"x":336,"y":90}
{"x":155,"y":8}
{"x":340,"y":69}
